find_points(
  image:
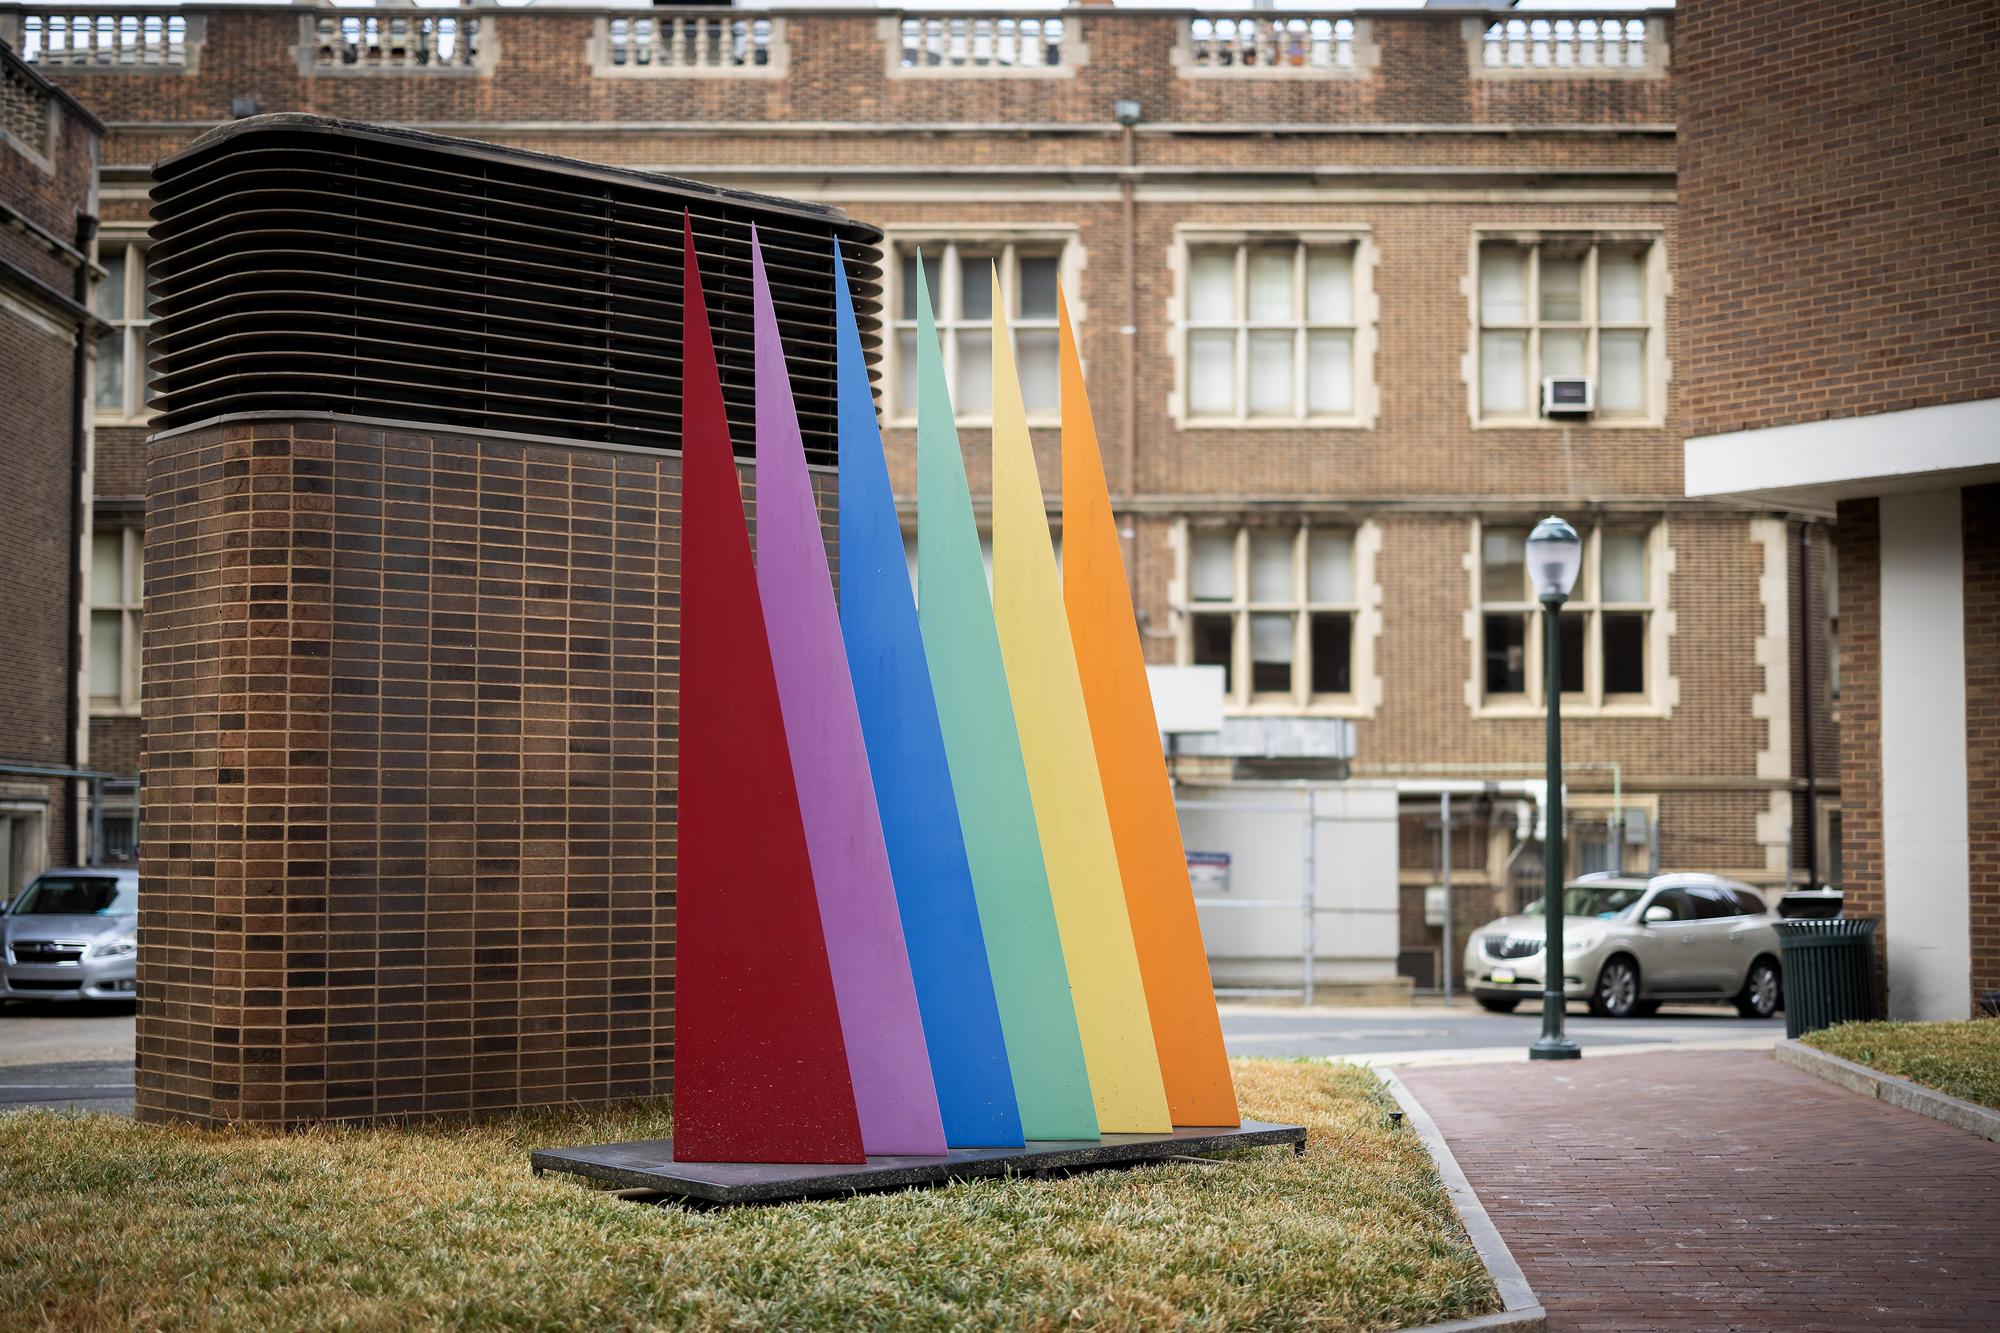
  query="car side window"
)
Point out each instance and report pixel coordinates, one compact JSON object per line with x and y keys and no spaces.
{"x":1748,"y":903}
{"x":1711,"y":903}
{"x":1675,"y":901}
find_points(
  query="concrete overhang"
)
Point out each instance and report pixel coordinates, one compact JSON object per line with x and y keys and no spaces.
{"x":1816,"y":464}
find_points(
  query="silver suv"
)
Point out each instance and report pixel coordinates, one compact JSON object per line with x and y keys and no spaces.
{"x":72,"y":935}
{"x":1630,"y":943}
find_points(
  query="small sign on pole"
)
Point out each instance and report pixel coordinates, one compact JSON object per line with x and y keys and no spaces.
{"x":1208,"y":872}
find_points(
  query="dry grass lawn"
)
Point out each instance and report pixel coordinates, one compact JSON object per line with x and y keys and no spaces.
{"x":105,"y":1223}
{"x":1962,"y":1059}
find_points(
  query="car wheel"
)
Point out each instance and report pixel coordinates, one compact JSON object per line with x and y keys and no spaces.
{"x":1762,"y":990}
{"x":1498,"y":1004}
{"x":1616,"y":994}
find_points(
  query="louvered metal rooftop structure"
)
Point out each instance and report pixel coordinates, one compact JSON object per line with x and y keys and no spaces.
{"x":305,"y":264}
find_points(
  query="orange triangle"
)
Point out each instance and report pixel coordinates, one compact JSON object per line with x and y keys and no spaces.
{"x":1144,"y":826}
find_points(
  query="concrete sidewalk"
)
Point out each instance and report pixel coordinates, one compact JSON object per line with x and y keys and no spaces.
{"x":1722,"y":1190}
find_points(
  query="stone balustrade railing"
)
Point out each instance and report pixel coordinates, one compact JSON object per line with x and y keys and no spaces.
{"x":694,"y":42}
{"x":99,"y":39}
{"x":1552,"y":45}
{"x":406,"y":40}
{"x":1254,"y":43}
{"x":667,"y":43}
{"x":991,"y":43}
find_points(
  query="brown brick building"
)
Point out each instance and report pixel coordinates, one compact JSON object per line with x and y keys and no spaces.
{"x":1321,"y":265}
{"x":1842,"y":262}
{"x":48,"y":207}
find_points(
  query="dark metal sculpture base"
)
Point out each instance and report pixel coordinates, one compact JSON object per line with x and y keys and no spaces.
{"x":649,"y":1164}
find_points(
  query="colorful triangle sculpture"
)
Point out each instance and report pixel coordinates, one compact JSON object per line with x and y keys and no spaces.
{"x":886,"y":1053}
{"x":1062,"y":773}
{"x":1137,"y":793}
{"x":996,"y":813}
{"x":760,"y":1066}
{"x":913,"y":791}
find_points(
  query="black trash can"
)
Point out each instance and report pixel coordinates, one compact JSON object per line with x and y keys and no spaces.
{"x":1829,"y":969}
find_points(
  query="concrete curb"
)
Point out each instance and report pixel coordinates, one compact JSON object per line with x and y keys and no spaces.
{"x":1521,"y":1311}
{"x":1899,"y":1092}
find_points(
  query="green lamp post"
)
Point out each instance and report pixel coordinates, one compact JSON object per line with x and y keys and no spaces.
{"x":1555,"y":554}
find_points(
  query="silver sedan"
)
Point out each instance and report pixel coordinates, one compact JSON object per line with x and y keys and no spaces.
{"x":1630,"y":943}
{"x":72,"y":935}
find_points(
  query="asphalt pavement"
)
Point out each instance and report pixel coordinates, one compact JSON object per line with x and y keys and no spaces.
{"x":80,"y":1057}
{"x":66,"y":1056}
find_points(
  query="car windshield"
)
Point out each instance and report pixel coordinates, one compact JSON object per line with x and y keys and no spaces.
{"x":1599,"y":900}
{"x":78,"y":895}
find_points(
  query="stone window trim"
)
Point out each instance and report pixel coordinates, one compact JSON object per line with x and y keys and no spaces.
{"x":778,"y":48}
{"x":193,"y":35}
{"x":126,"y":245}
{"x":1655,"y":66}
{"x":1364,"y":698}
{"x":1662,"y":692}
{"x":1659,"y":291}
{"x":1063,"y":238}
{"x":486,"y":58}
{"x":1364,"y":54}
{"x":1075,"y":52}
{"x":114,"y":614}
{"x":1365,"y":314}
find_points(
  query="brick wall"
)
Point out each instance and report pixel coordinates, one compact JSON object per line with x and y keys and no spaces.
{"x":120,"y":462}
{"x":37,"y":551}
{"x":410,"y":790}
{"x":1837,"y":194}
{"x":1861,"y":711}
{"x":1982,"y":730}
{"x":50,"y":184}
{"x":53,"y":189}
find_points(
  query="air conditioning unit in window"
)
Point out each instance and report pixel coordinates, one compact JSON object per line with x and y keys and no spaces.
{"x":1567,"y":395}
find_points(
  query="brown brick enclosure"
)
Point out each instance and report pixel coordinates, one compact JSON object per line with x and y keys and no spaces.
{"x":411,"y":687}
{"x":410,"y":777}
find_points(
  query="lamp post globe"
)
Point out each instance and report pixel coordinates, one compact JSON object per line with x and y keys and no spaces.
{"x":1555,"y":555}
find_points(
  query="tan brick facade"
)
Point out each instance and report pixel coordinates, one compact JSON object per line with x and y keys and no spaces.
{"x":1414,"y":154}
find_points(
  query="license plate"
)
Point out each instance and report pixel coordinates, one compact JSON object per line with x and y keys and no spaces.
{"x":1503,"y":975}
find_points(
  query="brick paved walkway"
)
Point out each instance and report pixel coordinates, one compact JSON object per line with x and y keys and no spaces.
{"x":1722,"y":1190}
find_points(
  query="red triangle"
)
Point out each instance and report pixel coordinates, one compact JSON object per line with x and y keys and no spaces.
{"x":760,"y":1071}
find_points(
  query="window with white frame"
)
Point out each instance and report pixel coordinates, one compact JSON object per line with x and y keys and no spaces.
{"x":1606,"y":626}
{"x":115,"y":589}
{"x":959,"y":274}
{"x":1275,"y":608}
{"x":1565,"y":307}
{"x":124,"y":363}
{"x":1270,"y":331}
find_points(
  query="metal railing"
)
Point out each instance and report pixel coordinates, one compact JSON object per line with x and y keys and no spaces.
{"x":1565,"y":44}
{"x":1257,"y":43}
{"x":396,"y":42}
{"x":690,"y":42}
{"x":104,"y":40}
{"x":973,"y":42}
